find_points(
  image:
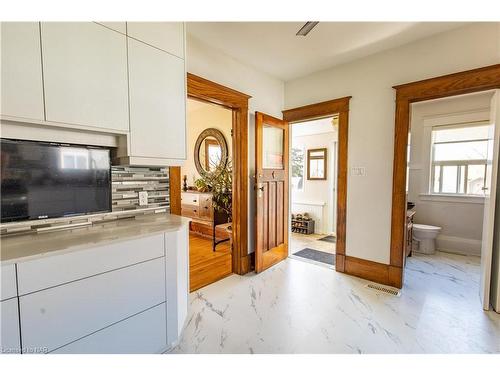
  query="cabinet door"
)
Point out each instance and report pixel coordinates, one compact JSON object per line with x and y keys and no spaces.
{"x":85,"y":74}
{"x":143,"y":333}
{"x":157,"y":103}
{"x":47,"y":272}
{"x":57,"y":316}
{"x":121,"y":27}
{"x":21,"y":77}
{"x":8,"y":286}
{"x":168,"y":36}
{"x":10,"y":336}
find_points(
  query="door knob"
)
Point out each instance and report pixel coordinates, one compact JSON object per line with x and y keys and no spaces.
{"x":260,"y":190}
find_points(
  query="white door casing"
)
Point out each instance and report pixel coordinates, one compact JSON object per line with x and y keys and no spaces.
{"x":489,"y":201}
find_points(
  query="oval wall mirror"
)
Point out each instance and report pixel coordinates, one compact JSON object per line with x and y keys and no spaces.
{"x":210,"y":151}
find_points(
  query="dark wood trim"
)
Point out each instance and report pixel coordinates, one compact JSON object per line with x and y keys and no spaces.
{"x":317,"y":110}
{"x":175,"y":190}
{"x":469,"y":81}
{"x":373,"y":271}
{"x":199,"y":88}
{"x":324,"y":109}
{"x":208,"y":91}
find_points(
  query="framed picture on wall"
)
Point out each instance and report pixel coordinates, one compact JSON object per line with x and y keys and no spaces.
{"x":316,"y":164}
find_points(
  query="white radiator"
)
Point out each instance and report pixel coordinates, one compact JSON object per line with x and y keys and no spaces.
{"x":316,"y":211}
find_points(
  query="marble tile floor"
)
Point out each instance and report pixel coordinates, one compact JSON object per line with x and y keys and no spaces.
{"x":297,"y":307}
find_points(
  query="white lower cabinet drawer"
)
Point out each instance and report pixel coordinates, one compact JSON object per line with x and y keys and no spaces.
{"x":9,"y":334}
{"x":8,"y":287}
{"x":54,"y":270}
{"x":57,"y":316}
{"x":140,"y":334}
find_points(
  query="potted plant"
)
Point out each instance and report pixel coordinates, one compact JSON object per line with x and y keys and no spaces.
{"x":219,"y":182}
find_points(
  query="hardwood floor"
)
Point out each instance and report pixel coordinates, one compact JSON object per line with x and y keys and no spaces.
{"x":205,"y":265}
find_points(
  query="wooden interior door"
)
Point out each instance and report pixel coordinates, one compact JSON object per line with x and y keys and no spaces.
{"x":271,"y":186}
{"x":490,"y":194}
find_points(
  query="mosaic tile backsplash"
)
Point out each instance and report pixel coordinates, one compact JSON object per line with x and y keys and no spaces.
{"x":128,"y":182}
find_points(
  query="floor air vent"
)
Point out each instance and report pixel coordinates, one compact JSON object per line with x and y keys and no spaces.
{"x":384,"y":289}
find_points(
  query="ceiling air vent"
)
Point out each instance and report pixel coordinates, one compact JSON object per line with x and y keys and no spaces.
{"x":308,"y":26}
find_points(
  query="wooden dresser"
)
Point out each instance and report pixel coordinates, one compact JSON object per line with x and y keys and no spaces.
{"x":198,"y":207}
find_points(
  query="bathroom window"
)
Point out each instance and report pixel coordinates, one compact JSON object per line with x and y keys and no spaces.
{"x":459,"y":156}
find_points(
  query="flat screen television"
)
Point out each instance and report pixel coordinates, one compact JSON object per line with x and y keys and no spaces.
{"x":48,"y":180}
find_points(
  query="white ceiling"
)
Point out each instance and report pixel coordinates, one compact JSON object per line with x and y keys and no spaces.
{"x":319,"y":126}
{"x":273,"y":47}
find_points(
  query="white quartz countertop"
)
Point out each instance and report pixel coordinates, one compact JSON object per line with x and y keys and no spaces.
{"x":19,"y":248}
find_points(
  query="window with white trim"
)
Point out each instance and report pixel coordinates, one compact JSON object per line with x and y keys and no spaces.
{"x":458,"y":160}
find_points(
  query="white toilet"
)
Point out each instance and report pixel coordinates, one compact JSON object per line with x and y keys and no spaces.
{"x":426,"y":237}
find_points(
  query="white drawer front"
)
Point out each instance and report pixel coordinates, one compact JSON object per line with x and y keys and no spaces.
{"x":8,"y":278}
{"x":55,"y":270}
{"x":144,"y":333}
{"x":191,"y":199}
{"x":9,"y":340}
{"x":57,"y":316}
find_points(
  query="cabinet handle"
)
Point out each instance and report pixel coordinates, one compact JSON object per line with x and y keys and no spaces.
{"x":194,"y":200}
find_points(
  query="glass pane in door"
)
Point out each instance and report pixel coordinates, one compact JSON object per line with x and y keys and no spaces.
{"x":272,"y":147}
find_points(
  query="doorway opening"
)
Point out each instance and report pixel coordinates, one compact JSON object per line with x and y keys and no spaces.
{"x":450,"y":141}
{"x":212,"y":218}
{"x":206,"y":196}
{"x":443,"y":169}
{"x":313,"y":185}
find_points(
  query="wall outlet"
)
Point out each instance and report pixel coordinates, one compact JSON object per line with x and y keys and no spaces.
{"x":143,"y":198}
{"x":358,"y":171}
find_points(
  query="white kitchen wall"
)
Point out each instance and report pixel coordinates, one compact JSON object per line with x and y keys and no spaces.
{"x":461,"y":220}
{"x":267,"y":96}
{"x":201,"y":116}
{"x":371,"y":119}
{"x":319,"y":192}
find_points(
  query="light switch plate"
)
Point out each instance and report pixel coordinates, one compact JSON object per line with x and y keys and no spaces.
{"x":358,"y":171}
{"x":143,"y":198}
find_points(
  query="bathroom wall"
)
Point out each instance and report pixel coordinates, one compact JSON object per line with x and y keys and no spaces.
{"x":461,"y":219}
{"x":317,"y":197}
{"x":201,"y":116}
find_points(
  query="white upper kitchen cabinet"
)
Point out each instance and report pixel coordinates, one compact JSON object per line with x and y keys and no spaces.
{"x":157,"y":103}
{"x":85,"y":75}
{"x":121,"y":27}
{"x":21,"y":77}
{"x":168,"y":36}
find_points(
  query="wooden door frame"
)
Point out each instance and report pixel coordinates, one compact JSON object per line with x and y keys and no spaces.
{"x":207,"y":91}
{"x":333,"y":107}
{"x":465,"y":82}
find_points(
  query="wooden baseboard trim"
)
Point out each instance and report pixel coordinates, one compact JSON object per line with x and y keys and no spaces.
{"x":340,"y":262}
{"x":247,"y":264}
{"x":369,"y":270}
